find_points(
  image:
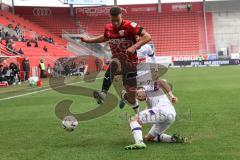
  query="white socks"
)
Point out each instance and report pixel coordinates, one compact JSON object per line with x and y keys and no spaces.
{"x":164,"y":138}
{"x":136,"y":131}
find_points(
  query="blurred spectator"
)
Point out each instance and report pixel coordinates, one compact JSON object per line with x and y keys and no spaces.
{"x":29,"y":44}
{"x":44,"y":38}
{"x":20,"y":33}
{"x":26,"y":68}
{"x":2,"y":31}
{"x":49,"y":70}
{"x":7,"y":35}
{"x":22,"y":39}
{"x":10,"y":26}
{"x":73,"y":65}
{"x":7,"y":72}
{"x":9,"y":47}
{"x":42,"y":68}
{"x":200,"y":60}
{"x":36,"y":44}
{"x":67,"y":70}
{"x":1,"y":73}
{"x":50,"y":40}
{"x":20,"y":51}
{"x":82,"y":69}
{"x":45,"y":49}
{"x":36,"y":38}
{"x":98,"y":65}
{"x":17,"y":27}
{"x":14,"y":74}
{"x":189,"y":7}
{"x":40,"y":38}
{"x":7,"y":40}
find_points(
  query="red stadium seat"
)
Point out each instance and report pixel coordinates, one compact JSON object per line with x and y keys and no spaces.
{"x":54,"y":50}
{"x":172,"y":32}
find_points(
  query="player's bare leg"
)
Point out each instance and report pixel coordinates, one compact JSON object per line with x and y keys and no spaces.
{"x":129,"y":97}
{"x":130,"y":85}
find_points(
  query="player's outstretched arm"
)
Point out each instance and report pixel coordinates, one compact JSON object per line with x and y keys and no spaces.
{"x":165,"y":86}
{"x":98,"y":39}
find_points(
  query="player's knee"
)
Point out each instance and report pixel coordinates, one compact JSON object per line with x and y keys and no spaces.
{"x":115,"y":66}
{"x":170,"y":118}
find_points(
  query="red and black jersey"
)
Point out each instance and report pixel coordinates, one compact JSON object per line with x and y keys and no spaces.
{"x":123,"y":37}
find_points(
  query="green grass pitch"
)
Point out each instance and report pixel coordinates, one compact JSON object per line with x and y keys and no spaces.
{"x":208,"y":111}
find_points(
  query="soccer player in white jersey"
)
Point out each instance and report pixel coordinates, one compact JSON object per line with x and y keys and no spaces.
{"x":144,"y":52}
{"x":160,"y":113}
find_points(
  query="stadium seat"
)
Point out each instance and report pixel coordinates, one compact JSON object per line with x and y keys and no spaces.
{"x":34,"y":54}
{"x":172,"y":33}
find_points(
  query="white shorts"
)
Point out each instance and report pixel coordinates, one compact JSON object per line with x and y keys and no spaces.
{"x":164,"y":113}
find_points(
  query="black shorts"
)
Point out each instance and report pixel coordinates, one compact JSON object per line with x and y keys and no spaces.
{"x":129,"y":72}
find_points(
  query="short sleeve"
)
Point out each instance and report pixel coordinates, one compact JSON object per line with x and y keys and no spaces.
{"x":135,"y":29}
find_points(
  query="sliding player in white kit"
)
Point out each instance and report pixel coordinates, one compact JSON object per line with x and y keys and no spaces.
{"x":160,"y":113}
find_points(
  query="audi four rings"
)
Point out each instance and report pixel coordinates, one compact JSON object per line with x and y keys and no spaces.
{"x":42,"y":12}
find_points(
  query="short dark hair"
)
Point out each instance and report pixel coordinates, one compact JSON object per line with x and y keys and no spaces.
{"x":115,"y":11}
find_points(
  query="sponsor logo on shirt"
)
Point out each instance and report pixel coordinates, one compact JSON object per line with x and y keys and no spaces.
{"x":133,"y":24}
{"x":121,"y":32}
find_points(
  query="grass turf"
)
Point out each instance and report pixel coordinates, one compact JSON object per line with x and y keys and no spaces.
{"x":208,"y":111}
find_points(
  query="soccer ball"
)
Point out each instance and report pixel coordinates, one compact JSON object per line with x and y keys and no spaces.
{"x":69,"y":123}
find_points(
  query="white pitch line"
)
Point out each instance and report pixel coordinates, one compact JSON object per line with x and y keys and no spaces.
{"x":43,"y":90}
{"x":25,"y":94}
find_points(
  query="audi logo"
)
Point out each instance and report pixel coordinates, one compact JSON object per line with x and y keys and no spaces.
{"x":42,"y":12}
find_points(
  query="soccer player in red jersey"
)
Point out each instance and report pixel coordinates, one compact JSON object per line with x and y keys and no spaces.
{"x":121,"y":35}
